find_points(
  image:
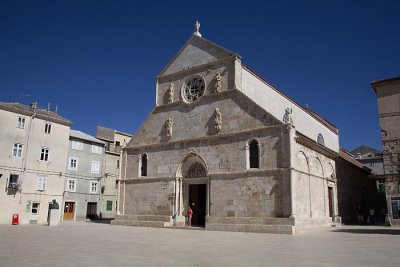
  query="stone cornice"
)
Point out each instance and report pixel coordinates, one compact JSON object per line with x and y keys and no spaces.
{"x":203,"y":138}
{"x":225,"y":176}
{"x":304,"y":140}
{"x":389,"y":114}
{"x":214,"y":176}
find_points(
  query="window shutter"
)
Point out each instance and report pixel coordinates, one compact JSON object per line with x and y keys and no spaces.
{"x":39,"y":183}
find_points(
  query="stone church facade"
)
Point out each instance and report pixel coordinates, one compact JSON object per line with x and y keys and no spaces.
{"x":224,"y":141}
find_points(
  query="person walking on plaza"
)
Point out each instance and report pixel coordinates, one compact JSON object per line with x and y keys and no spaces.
{"x":189,"y":214}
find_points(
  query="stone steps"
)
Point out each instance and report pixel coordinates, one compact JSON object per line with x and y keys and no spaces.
{"x":158,"y":221}
{"x":145,"y":218}
{"x":251,"y":220}
{"x":138,"y":223}
{"x":252,"y":228}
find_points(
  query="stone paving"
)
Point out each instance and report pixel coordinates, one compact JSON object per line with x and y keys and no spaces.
{"x":91,"y":244}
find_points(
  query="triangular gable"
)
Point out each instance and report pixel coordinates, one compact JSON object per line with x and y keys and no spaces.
{"x":195,"y":52}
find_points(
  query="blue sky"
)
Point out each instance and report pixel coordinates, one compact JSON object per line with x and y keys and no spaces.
{"x":97,"y":60}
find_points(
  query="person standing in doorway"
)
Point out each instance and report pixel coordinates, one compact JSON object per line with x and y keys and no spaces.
{"x":189,"y":214}
{"x":371,"y":216}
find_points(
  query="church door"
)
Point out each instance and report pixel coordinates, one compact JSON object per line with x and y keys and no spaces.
{"x":330,"y":199}
{"x":197,"y":201}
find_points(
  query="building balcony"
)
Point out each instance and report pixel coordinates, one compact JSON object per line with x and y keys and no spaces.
{"x":14,"y":187}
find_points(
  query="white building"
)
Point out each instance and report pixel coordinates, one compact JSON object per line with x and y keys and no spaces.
{"x":83,"y":177}
{"x":34,"y":146}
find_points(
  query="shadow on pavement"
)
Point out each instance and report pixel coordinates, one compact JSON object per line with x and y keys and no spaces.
{"x":370,"y":231}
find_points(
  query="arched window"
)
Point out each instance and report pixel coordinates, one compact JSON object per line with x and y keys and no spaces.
{"x":143,"y":167}
{"x":254,"y":155}
{"x":320,"y":140}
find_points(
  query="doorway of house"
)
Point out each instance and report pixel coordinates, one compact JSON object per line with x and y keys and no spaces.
{"x":330,"y":199}
{"x":91,"y":210}
{"x":69,"y":211}
{"x":197,"y":201}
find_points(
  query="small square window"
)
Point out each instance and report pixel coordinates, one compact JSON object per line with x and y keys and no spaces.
{"x":17,"y":150}
{"x":41,"y":183}
{"x":73,"y":164}
{"x":96,"y":149}
{"x":93,"y":187}
{"x":21,"y":122}
{"x":76,"y":145}
{"x":44,"y":154}
{"x":47,"y":128}
{"x":95,"y":167}
{"x":35,"y":208}
{"x":71,"y":185}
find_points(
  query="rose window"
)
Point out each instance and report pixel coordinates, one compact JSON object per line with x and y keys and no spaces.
{"x":193,"y":89}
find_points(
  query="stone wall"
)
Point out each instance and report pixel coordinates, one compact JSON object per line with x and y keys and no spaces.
{"x":356,"y":189}
{"x":254,"y":196}
{"x":208,"y":73}
{"x":261,"y":192}
{"x":391,"y":156}
{"x":313,"y":173}
{"x":222,"y":154}
{"x":238,"y":114}
{"x":150,"y":198}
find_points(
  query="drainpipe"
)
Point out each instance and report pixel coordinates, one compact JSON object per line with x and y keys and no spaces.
{"x":34,"y":109}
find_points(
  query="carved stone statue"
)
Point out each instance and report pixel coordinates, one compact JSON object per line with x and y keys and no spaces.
{"x":218,"y":83}
{"x":171,"y":93}
{"x":169,"y":124}
{"x":217,"y":120}
{"x":287,"y":118}
{"x":197,"y":29}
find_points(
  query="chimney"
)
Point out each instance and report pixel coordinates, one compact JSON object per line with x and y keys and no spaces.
{"x":48,"y":106}
{"x":56,"y":110}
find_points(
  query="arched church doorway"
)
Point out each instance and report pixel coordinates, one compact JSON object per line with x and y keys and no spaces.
{"x":195,"y":188}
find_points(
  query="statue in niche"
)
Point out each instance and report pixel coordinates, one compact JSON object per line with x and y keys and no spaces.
{"x":217,"y":120}
{"x":218,"y":83}
{"x":171,"y":93}
{"x":287,"y":118}
{"x":169,"y":124}
{"x":196,"y":170}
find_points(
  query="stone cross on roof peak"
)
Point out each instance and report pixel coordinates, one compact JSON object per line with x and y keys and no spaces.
{"x":197,"y":29}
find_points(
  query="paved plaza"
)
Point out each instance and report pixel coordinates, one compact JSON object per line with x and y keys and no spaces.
{"x":91,"y":244}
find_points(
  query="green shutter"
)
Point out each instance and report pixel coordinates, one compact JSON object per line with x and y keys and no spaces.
{"x":109,"y":205}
